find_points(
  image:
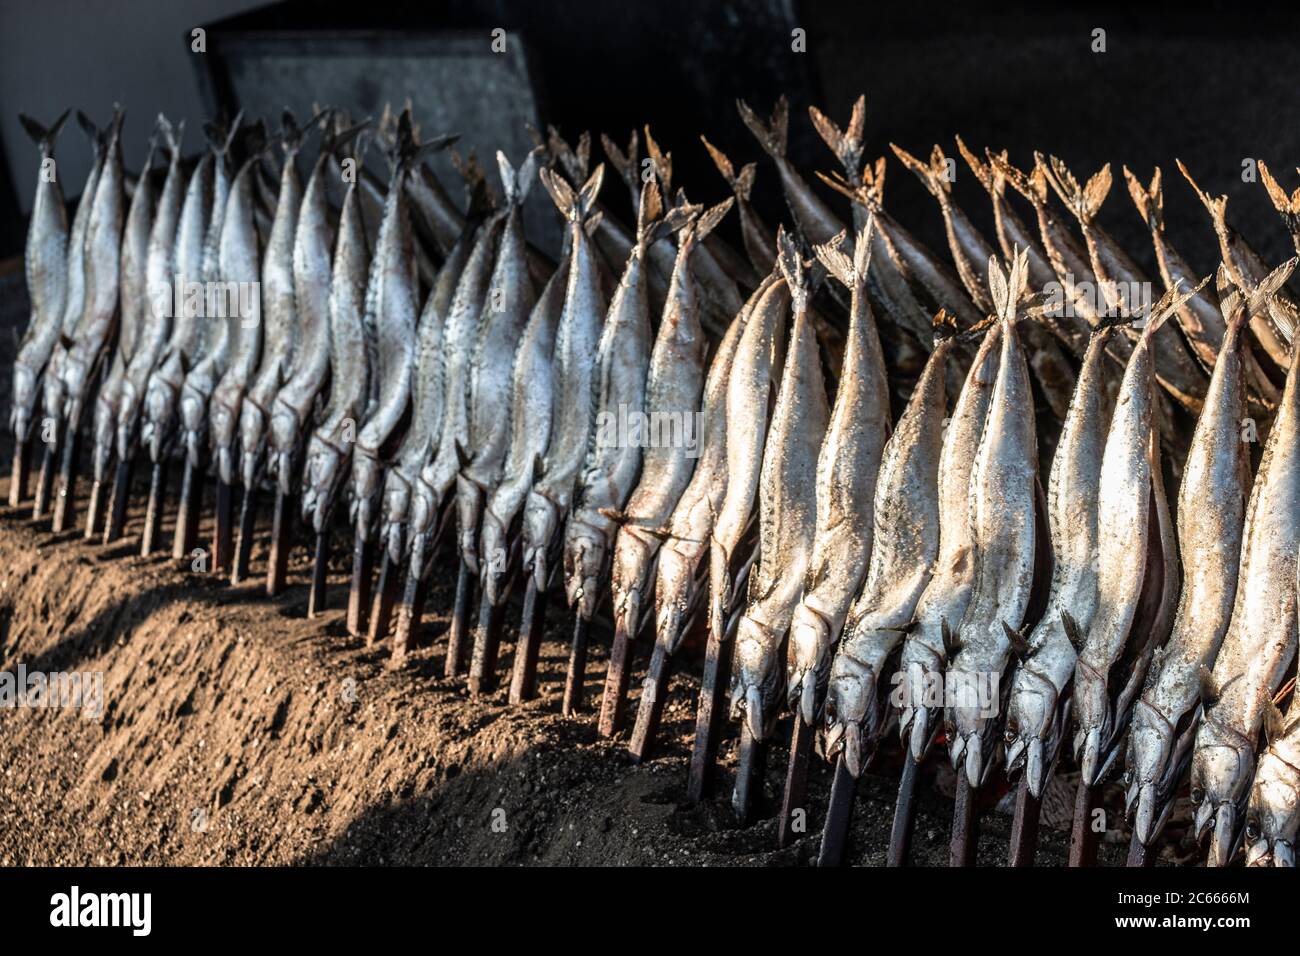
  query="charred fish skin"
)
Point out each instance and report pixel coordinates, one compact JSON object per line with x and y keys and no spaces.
{"x":210,"y":347}
{"x":1246,"y":268}
{"x":673,"y":387}
{"x":1133,"y":508}
{"x":280,"y":319}
{"x":103,"y":258}
{"x":240,"y":265}
{"x":163,"y":263}
{"x":613,"y":462}
{"x":392,"y":308}
{"x":906,"y":520}
{"x":971,"y":254}
{"x":1003,"y":489}
{"x":787,"y":515}
{"x":133,"y":302}
{"x":508,"y":305}
{"x":678,"y":588}
{"x":576,"y":342}
{"x":1177,"y":371}
{"x":46,"y":262}
{"x":1261,"y":639}
{"x":748,"y":397}
{"x":1035,"y":708}
{"x":939,"y":610}
{"x":1211,"y":515}
{"x":847,"y":467}
{"x":313,"y":245}
{"x":329,"y":449}
{"x":532,"y":385}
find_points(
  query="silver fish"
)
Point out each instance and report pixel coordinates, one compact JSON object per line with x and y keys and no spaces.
{"x":674,"y":383}
{"x":613,"y":462}
{"x":46,"y":261}
{"x":577,"y":339}
{"x":280,"y":319}
{"x":330,"y":447}
{"x":1036,"y":706}
{"x":847,"y":467}
{"x":103,"y":258}
{"x":1273,"y":810}
{"x":1135,"y":530}
{"x":1004,"y":535}
{"x":939,"y":610}
{"x":787,"y":515}
{"x":1211,"y":514}
{"x":506,"y":309}
{"x":906,"y":528}
{"x":241,"y":347}
{"x":162,"y":265}
{"x":1261,"y":640}
{"x":678,"y":588}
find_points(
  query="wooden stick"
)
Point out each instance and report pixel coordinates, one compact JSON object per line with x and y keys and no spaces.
{"x":185,"y":537}
{"x":523,"y":677}
{"x":243,"y":538}
{"x":487,"y":648}
{"x":576,"y":678}
{"x":118,"y":500}
{"x":316,"y":594}
{"x":65,"y":501}
{"x":749,"y":775}
{"x":796,"y":782}
{"x":900,"y":832}
{"x":95,"y":509}
{"x":153,"y":511}
{"x":45,"y":480}
{"x":458,"y":644}
{"x":617,"y":677}
{"x":277,"y":563}
{"x":1024,"y":826}
{"x":965,"y":824}
{"x":20,"y":474}
{"x":363,"y":562}
{"x":708,"y":718}
{"x":654,"y":692}
{"x":221,"y":528}
{"x":839,"y":816}
{"x":1083,"y":840}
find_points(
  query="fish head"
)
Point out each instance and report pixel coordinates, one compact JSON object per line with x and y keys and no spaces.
{"x":541,"y":520}
{"x":675,"y":589}
{"x":808,"y":654}
{"x":319,"y":480}
{"x":1222,"y":766}
{"x":1273,"y":812}
{"x":1031,"y":710}
{"x":284,"y":427}
{"x":1091,"y":706}
{"x":469,"y":506}
{"x":628,"y":580}
{"x":76,"y":374}
{"x":920,"y":691}
{"x":1150,"y":745}
{"x":584,"y":559}
{"x":973,"y":713}
{"x":492,"y":571}
{"x":851,"y":716}
{"x":756,"y":676}
{"x":20,"y":416}
{"x":252,"y":441}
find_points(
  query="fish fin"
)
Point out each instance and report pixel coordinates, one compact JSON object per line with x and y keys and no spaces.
{"x":616,"y":515}
{"x":1288,"y":206}
{"x":1274,"y":722}
{"x":951,"y":643}
{"x":1217,"y":206}
{"x":845,"y":144}
{"x":88,"y":126}
{"x":517,"y":183}
{"x":982,"y":169}
{"x":1170,"y":303}
{"x":1210,"y":688}
{"x":1073,"y":633}
{"x":742,"y":183}
{"x":335,"y":142}
{"x":172,"y":136}
{"x":1032,"y":186}
{"x":834,"y":260}
{"x":574,"y":161}
{"x":933,"y":175}
{"x":662,"y":163}
{"x":42,"y":137}
{"x":624,"y":163}
{"x":291,"y":134}
{"x":710,"y":218}
{"x":1083,"y":201}
{"x":1149,"y":200}
{"x":792,"y":267}
{"x":1019,"y":646}
{"x":943,"y":325}
{"x":771,"y":136}
{"x":1260,"y":297}
{"x":648,"y":223}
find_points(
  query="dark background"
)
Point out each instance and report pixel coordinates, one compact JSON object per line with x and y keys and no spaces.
{"x":1211,"y":83}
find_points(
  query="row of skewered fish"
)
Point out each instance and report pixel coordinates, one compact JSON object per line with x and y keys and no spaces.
{"x":822,"y":451}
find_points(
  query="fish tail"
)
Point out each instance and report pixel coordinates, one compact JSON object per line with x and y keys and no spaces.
{"x":171,"y":136}
{"x":709,"y":220}
{"x":517,"y":182}
{"x":576,"y":207}
{"x":574,"y":160}
{"x":935,"y":175}
{"x":407,"y":150}
{"x":851,"y":273}
{"x":846,"y":144}
{"x":1259,"y":296}
{"x":771,"y":136}
{"x":982,"y":169}
{"x":88,"y":127}
{"x":624,"y":163}
{"x":791,"y":265}
{"x":943,"y":325}
{"x":1216,"y":206}
{"x":333,"y":143}
{"x":1032,"y":186}
{"x":1174,"y":298}
{"x":1083,"y":201}
{"x":221,"y":137}
{"x":1149,"y":200}
{"x":42,"y":137}
{"x":1288,"y":206}
{"x":742,"y":183}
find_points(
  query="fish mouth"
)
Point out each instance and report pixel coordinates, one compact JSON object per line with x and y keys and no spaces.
{"x":755,"y":689}
{"x":850,"y":720}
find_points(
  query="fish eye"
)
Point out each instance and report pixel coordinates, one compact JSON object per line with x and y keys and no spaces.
{"x":1198,"y":795}
{"x":1252,"y":829}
